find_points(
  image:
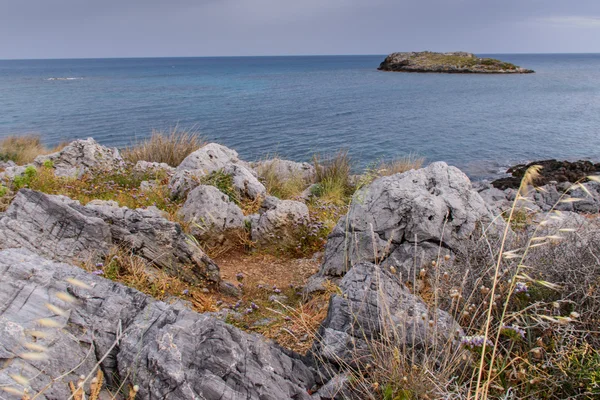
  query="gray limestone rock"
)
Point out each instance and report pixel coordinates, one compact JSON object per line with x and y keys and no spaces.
{"x":419,"y":210}
{"x":167,"y":350}
{"x":280,"y":222}
{"x":82,"y":156}
{"x":374,"y":304}
{"x":60,"y":228}
{"x":212,"y":215}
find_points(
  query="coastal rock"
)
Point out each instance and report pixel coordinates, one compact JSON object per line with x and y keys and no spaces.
{"x":153,"y":167}
{"x":60,"y":228}
{"x":206,"y":160}
{"x":209,"y":158}
{"x":11,"y":172}
{"x":285,"y":169}
{"x":279,"y":223}
{"x":171,"y":351}
{"x":552,"y":170}
{"x":545,"y":198}
{"x":388,"y":220}
{"x":82,"y":156}
{"x":245,"y":182}
{"x":374,"y":304}
{"x":182,"y":182}
{"x":50,"y":226}
{"x":457,"y":62}
{"x":7,"y":164}
{"x":213,"y":216}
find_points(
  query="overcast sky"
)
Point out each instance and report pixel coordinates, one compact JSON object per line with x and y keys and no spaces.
{"x":138,"y":28}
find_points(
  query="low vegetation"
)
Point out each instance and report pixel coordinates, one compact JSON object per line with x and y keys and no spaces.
{"x":170,"y":147}
{"x":528,"y":303}
{"x":23,"y":149}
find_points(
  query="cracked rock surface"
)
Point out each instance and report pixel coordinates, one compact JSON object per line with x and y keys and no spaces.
{"x":169,"y":351}
{"x":82,"y":156}
{"x":60,"y":228}
{"x":423,"y":209}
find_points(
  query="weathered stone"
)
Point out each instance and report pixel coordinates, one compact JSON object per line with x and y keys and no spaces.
{"x":168,"y":351}
{"x":63,"y":229}
{"x":285,"y":169}
{"x":184,"y":181}
{"x":375,"y":305}
{"x":419,"y":210}
{"x":213,"y":216}
{"x":82,"y":156}
{"x":50,"y":226}
{"x":279,"y":223}
{"x":153,"y":167}
{"x":10,"y":172}
{"x":209,"y":158}
{"x":244,"y":182}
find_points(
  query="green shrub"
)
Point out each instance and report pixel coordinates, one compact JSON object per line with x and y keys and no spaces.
{"x":223,"y":182}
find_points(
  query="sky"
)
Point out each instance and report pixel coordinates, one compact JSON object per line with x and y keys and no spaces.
{"x":168,"y":28}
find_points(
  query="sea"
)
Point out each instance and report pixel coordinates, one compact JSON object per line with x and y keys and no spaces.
{"x":294,"y":107}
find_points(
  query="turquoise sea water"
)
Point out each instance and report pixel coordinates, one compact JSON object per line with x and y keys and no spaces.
{"x":295,"y":106}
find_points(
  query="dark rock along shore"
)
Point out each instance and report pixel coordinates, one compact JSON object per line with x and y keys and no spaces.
{"x":456,"y":62}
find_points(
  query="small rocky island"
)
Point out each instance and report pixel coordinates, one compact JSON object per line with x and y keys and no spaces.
{"x":450,"y":63}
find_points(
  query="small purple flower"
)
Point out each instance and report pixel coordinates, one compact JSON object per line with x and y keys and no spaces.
{"x":219,"y":303}
{"x":239,"y":276}
{"x":185,"y":292}
{"x":275,"y":290}
{"x":521,"y":287}
{"x":248,"y":311}
{"x":475,"y":341}
{"x":98,"y":272}
{"x":238,"y":304}
{"x":260,"y":286}
{"x":253,"y":306}
{"x":241,"y":285}
{"x":99,"y":265}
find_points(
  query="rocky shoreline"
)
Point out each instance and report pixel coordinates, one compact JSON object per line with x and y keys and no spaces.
{"x":378,"y":250}
{"x":449,"y":63}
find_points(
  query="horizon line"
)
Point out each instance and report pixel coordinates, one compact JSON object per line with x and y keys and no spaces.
{"x":265,"y":56}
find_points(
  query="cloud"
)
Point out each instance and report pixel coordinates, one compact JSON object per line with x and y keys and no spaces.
{"x":571,"y":21}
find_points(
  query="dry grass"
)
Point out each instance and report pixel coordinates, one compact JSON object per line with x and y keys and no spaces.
{"x":125,"y":267}
{"x":333,"y":178}
{"x":529,"y":305}
{"x":400,"y":165}
{"x":23,"y":149}
{"x":170,"y":147}
{"x":121,"y":186}
{"x":290,"y":188}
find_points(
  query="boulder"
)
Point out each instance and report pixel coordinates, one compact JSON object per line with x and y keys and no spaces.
{"x":60,"y":228}
{"x":167,"y":350}
{"x":213,"y":217}
{"x":399,"y":218}
{"x":209,"y":158}
{"x":12,"y":171}
{"x":182,"y":182}
{"x":279,"y":223}
{"x":82,"y":156}
{"x":50,"y":226}
{"x":375,"y":305}
{"x":153,"y":167}
{"x":285,"y":169}
{"x":245,"y":182}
